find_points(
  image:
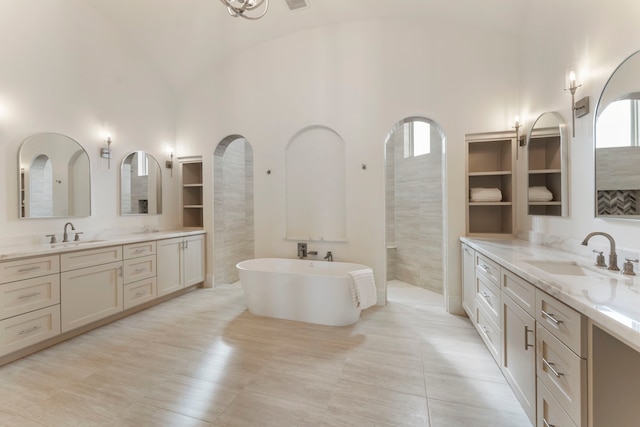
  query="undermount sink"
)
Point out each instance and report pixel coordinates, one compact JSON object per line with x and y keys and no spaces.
{"x":564,"y":268}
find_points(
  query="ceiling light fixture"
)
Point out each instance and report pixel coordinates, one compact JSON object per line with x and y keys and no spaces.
{"x":245,"y":8}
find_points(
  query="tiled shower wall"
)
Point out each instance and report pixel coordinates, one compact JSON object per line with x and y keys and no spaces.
{"x":415,"y":214}
{"x":233,"y":208}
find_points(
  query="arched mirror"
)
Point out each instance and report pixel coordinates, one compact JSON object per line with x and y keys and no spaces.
{"x":548,"y":161}
{"x":54,"y":177}
{"x":140,"y":185}
{"x":617,"y":143}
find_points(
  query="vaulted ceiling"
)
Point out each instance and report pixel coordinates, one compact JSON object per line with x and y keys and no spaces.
{"x":184,"y":39}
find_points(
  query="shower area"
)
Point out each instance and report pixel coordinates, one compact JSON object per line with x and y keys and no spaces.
{"x":414,"y":186}
{"x":233,"y":207}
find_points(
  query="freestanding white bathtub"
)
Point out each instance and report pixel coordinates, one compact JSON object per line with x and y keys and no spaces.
{"x":297,"y":289}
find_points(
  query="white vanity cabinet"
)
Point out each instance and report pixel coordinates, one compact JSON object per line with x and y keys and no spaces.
{"x":46,"y":299}
{"x":91,"y":286}
{"x":180,"y":263}
{"x":469,"y":281}
{"x":488,"y":310}
{"x":29,"y":302}
{"x":139,"y":273}
{"x":561,"y":340}
{"x":539,"y":342}
{"x":519,"y":338}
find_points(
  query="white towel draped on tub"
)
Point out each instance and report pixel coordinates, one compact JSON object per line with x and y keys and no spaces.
{"x":363,"y":288}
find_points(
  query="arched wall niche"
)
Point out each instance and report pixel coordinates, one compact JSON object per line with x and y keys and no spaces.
{"x":233,"y":206}
{"x":315,"y":185}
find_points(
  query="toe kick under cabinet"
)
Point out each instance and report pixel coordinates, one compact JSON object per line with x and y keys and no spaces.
{"x":539,"y":342}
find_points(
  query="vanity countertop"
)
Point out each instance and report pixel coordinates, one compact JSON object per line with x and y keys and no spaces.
{"x":10,"y":252}
{"x":611,"y":300}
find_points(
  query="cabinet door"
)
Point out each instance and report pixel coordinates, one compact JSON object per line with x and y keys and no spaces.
{"x":519,"y":354}
{"x":90,"y":294}
{"x":169,"y":266}
{"x":468,"y":281}
{"x":193,"y":260}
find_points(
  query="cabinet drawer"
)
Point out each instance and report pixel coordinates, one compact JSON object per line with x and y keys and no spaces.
{"x":27,"y":295}
{"x":488,"y":296}
{"x":490,"y":334}
{"x":520,"y":291}
{"x":139,"y":268}
{"x":139,"y":292}
{"x":27,"y":329}
{"x":90,"y":257}
{"x":565,"y":323}
{"x":135,"y":250}
{"x":488,"y":268}
{"x":27,"y":268}
{"x":563,"y":373}
{"x":550,"y":413}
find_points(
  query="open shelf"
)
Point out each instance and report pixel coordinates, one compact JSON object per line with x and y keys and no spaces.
{"x":491,"y":164}
{"x":192,"y":193}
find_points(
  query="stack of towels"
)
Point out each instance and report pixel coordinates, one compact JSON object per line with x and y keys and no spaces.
{"x":485,"y":195}
{"x":540,"y":194}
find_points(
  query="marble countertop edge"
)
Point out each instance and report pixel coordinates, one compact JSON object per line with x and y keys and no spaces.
{"x":13,"y":251}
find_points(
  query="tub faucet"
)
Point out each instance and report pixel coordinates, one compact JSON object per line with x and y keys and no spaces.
{"x":302,"y":250}
{"x":329,"y":256}
{"x":65,"y":236}
{"x":613,"y":257}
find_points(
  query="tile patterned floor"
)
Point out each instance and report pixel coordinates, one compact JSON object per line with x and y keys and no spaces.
{"x":202,"y":360}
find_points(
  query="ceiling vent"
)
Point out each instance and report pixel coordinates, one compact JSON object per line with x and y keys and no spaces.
{"x":297,"y":4}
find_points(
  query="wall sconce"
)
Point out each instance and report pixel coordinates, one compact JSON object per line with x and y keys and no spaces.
{"x":517,"y":127}
{"x":169,"y":164}
{"x":105,"y":152}
{"x":580,"y":108}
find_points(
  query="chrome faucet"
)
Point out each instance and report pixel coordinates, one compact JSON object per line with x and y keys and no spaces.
{"x":65,"y":236}
{"x":329,"y":256}
{"x":613,"y":257}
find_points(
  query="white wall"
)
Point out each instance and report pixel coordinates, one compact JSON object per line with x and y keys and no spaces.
{"x":67,"y":70}
{"x":359,"y":79}
{"x":592,"y":37}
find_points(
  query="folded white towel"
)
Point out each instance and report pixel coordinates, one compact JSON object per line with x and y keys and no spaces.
{"x":363,"y":288}
{"x":485,"y":195}
{"x":540,"y":194}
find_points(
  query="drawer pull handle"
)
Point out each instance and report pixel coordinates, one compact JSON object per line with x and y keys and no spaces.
{"x":26,"y":331}
{"x":33,"y":294}
{"x":139,"y":270}
{"x":140,"y":293}
{"x":120,"y":271}
{"x":546,"y":423}
{"x":526,"y":338}
{"x":551,"y":367}
{"x":28,"y":269}
{"x":138,"y":251}
{"x":485,"y":268}
{"x":485,"y":294}
{"x":551,"y":317}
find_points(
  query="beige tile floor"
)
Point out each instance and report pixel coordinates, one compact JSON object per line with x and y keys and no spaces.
{"x":202,"y":360}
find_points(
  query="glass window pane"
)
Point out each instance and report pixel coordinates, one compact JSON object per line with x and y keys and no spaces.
{"x":421,"y":138}
{"x":406,"y":131}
